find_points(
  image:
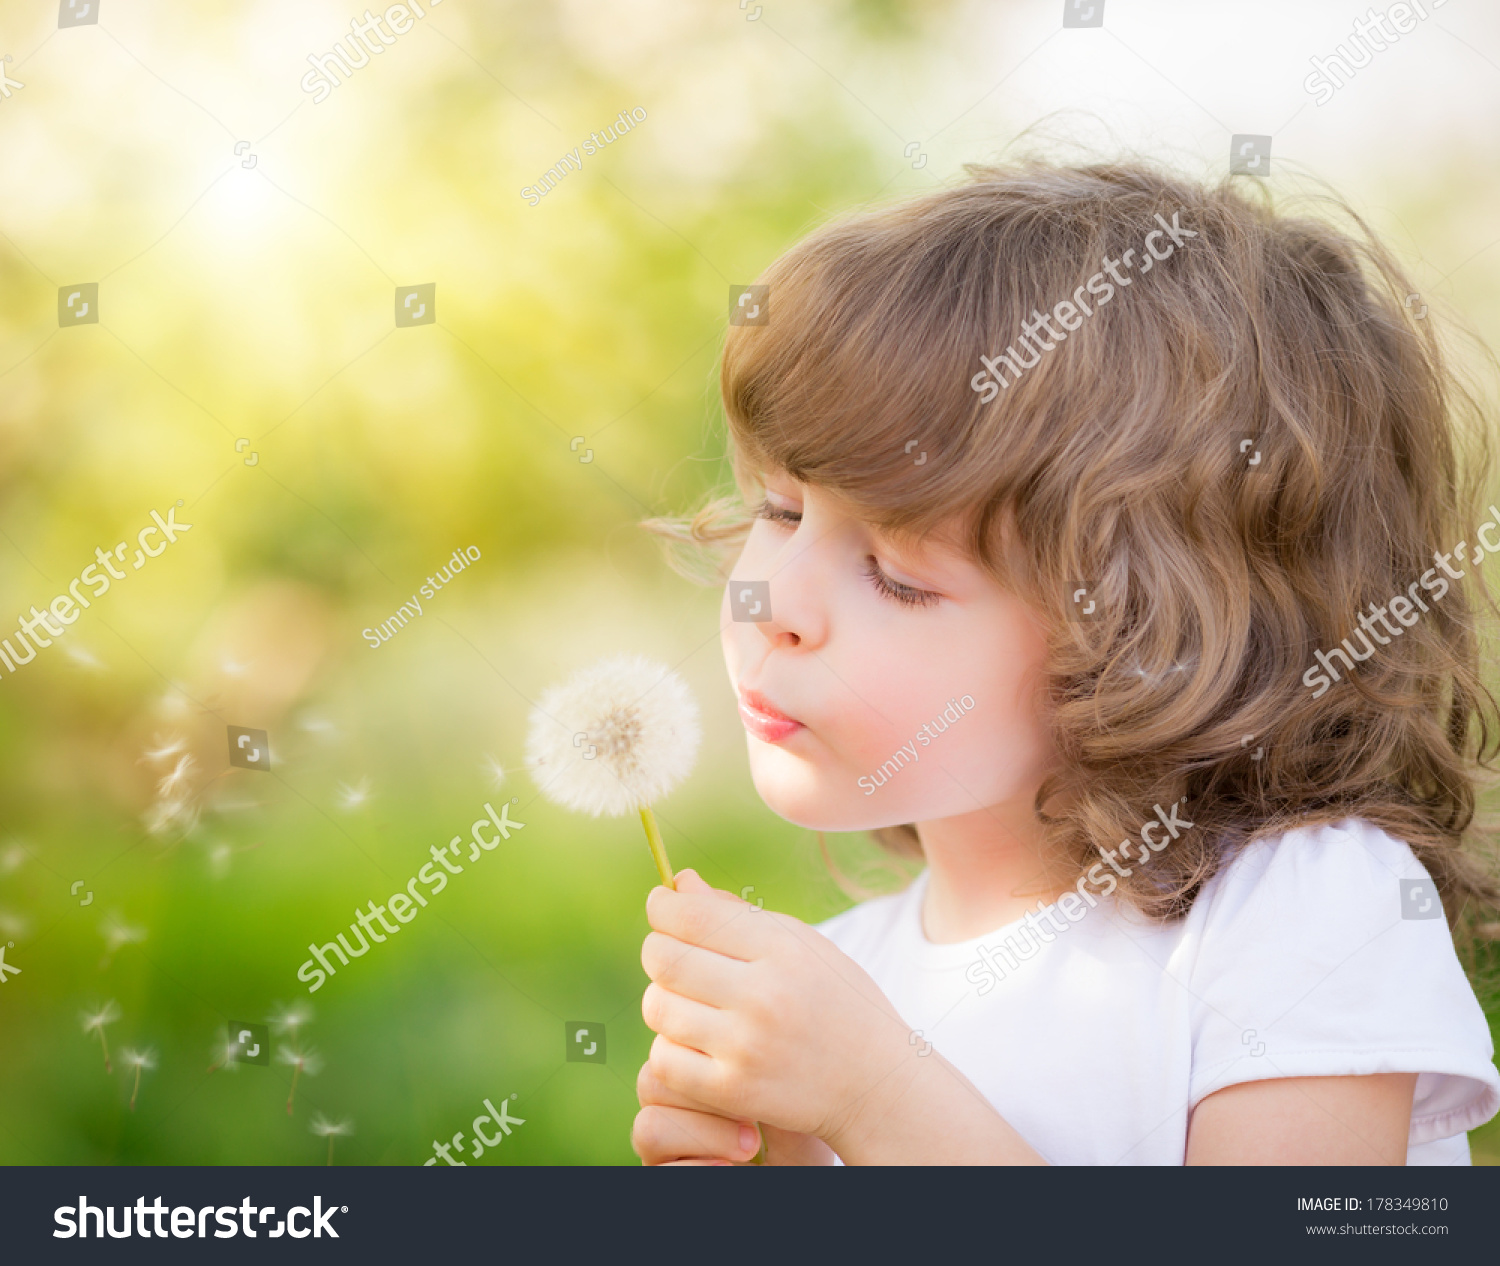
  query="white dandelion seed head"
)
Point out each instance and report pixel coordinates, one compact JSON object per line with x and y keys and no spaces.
{"x":139,"y":1059}
{"x":323,"y":1127}
{"x":614,"y":737}
{"x":95,"y":1020}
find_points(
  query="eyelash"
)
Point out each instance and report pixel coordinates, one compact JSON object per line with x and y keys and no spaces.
{"x":906,"y":595}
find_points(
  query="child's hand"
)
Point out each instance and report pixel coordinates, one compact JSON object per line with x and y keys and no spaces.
{"x":671,"y":1129}
{"x":759,"y":1017}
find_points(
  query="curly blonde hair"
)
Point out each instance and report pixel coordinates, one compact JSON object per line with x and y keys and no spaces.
{"x":1251,"y":447}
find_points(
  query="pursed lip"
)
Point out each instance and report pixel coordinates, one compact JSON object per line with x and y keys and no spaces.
{"x":764,"y":719}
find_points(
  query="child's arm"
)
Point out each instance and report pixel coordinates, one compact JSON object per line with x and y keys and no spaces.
{"x":759,"y":1017}
{"x":1305,"y":1121}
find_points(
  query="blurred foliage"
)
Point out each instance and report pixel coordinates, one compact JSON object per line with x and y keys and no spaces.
{"x":257,"y":303}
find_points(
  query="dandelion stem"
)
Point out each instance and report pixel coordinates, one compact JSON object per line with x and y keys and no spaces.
{"x":658,"y":849}
{"x":137,"y":1088}
{"x":296,"y":1071}
{"x":105,"y":1045}
{"x":330,"y":1149}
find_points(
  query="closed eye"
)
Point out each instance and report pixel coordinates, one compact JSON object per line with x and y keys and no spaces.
{"x":777,"y":514}
{"x":906,"y":595}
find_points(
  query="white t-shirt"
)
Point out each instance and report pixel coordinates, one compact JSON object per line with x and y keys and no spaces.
{"x":1295,"y":960}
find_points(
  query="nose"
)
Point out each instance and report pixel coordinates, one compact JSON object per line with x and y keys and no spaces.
{"x":800,"y":582}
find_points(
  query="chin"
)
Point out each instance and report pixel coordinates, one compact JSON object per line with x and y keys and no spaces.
{"x":795,"y":791}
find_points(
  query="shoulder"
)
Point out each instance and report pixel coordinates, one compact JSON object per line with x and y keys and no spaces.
{"x":1323,"y":951}
{"x":1349,"y":870}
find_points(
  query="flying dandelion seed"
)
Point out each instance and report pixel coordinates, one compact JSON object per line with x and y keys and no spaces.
{"x":166,"y":815}
{"x":304,"y":1063}
{"x":288,"y":1020}
{"x":224,"y":1054}
{"x":139,"y":1060}
{"x":12,"y":859}
{"x":95,"y":1022}
{"x":354,"y":797}
{"x":493,"y":770}
{"x":173,"y":703}
{"x":324,"y":1128}
{"x":168,"y":786}
{"x":116,"y":935}
{"x":15,"y":926}
{"x":165,"y":748}
{"x":82,"y":657}
{"x":233,"y":668}
{"x":218,"y":859}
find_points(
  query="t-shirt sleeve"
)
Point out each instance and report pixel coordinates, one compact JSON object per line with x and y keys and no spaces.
{"x":1323,"y":953}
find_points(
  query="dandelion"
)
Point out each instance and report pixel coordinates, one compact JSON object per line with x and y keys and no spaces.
{"x":493,"y":770}
{"x":117,"y":934}
{"x":302,"y":1062}
{"x":356,"y":796}
{"x":94,"y":1022}
{"x":324,"y":1128}
{"x":615,"y":736}
{"x":138,"y":1060}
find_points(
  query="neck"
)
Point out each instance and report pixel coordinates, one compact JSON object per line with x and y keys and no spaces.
{"x":984,"y":870}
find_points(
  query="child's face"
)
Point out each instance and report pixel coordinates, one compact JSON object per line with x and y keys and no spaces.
{"x":863,"y":671}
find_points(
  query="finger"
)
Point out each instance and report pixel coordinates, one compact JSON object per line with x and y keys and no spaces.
{"x":650,"y":1089}
{"x":691,"y":1073}
{"x":692,"y":971}
{"x":661,"y":1135}
{"x":686,"y":1022}
{"x":723,"y":924}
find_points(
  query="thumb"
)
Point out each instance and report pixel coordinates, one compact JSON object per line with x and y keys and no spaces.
{"x":691,"y":882}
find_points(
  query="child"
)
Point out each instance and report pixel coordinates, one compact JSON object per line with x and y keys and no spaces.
{"x":1147,"y":621}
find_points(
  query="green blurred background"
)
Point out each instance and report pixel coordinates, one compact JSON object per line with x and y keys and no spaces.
{"x":256,"y":302}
